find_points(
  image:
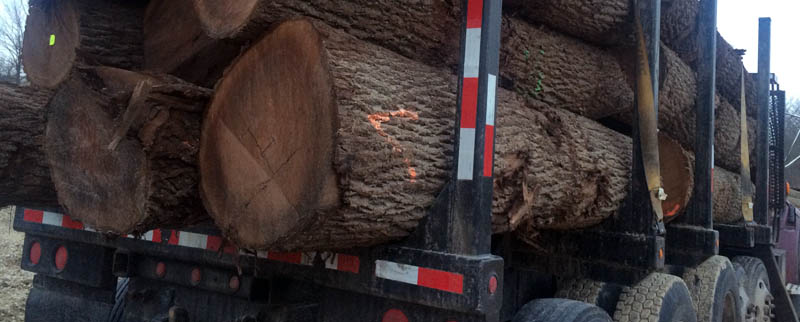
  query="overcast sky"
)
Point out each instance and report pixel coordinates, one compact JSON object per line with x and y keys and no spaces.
{"x":737,"y":21}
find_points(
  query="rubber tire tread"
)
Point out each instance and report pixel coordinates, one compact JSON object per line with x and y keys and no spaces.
{"x":657,"y":298}
{"x":605,"y":295}
{"x":752,"y":267}
{"x":560,"y":310}
{"x":708,"y":283}
{"x":115,"y":315}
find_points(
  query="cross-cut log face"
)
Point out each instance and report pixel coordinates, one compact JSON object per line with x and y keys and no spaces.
{"x":224,"y":18}
{"x":51,"y":37}
{"x":267,"y":140}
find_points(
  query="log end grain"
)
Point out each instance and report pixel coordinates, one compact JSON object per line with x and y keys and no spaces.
{"x":225,"y":19}
{"x":147,"y":178}
{"x":267,"y":140}
{"x":51,"y":37}
{"x":677,"y":173}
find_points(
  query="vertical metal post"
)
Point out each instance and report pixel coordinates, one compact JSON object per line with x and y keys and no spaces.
{"x":780,"y":115}
{"x":469,"y":225}
{"x":762,"y":144}
{"x":638,"y":216}
{"x":701,"y":214}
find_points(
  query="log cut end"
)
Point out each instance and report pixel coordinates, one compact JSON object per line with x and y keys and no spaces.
{"x":267,"y":140}
{"x":102,"y":187}
{"x":677,"y":172}
{"x":122,"y":149}
{"x":224,"y":19}
{"x":51,"y":37}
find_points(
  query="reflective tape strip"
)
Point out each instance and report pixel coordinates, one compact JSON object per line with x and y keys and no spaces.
{"x":466,"y":151}
{"x":192,"y":240}
{"x":52,"y":219}
{"x":474,"y":13}
{"x":472,"y":52}
{"x":420,"y":276}
{"x":341,"y":262}
{"x":491,"y":90}
{"x":488,"y":146}
{"x":33,"y":216}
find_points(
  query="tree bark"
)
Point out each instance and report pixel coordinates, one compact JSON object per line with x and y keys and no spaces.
{"x":122,"y":148}
{"x":180,"y":46}
{"x":676,"y":113}
{"x":727,"y":197}
{"x":26,"y":176}
{"x":599,"y":22}
{"x":341,"y":151}
{"x":60,"y":35}
{"x":548,"y":68}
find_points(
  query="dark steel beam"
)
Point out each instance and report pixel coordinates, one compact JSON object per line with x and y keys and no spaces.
{"x":701,"y":210}
{"x":761,"y":201}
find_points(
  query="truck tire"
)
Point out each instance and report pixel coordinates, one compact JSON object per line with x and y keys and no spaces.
{"x":715,"y":291}
{"x":657,"y":298}
{"x":115,"y":315}
{"x":560,"y":310}
{"x":754,"y":288}
{"x":604,"y":295}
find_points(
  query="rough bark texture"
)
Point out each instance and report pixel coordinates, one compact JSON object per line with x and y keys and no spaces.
{"x":556,"y":71}
{"x":550,"y":69}
{"x":122,"y":148}
{"x":676,"y":113}
{"x":601,"y":22}
{"x":679,"y":27}
{"x":23,"y":167}
{"x":179,"y":46}
{"x":60,"y":35}
{"x":727,"y":197}
{"x":391,"y":142}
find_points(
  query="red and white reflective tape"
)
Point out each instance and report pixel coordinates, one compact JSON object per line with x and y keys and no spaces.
{"x":469,"y":90}
{"x":51,"y":219}
{"x":333,"y":261}
{"x":488,"y":146}
{"x":420,"y":276}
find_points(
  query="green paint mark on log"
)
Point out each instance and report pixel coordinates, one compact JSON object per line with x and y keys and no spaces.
{"x":52,"y":39}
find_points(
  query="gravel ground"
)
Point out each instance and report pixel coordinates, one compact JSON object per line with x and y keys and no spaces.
{"x":14,"y":282}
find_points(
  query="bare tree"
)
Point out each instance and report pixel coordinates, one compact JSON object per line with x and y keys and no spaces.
{"x":12,"y":30}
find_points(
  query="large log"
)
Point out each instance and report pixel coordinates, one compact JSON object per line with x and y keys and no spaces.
{"x":60,"y":35}
{"x":122,"y":149}
{"x":676,"y":112}
{"x":727,"y":197}
{"x":175,"y":43}
{"x":313,"y":140}
{"x":550,"y":69}
{"x":26,"y":177}
{"x":601,"y":22}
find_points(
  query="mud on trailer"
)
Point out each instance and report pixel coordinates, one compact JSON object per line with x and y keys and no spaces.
{"x":632,"y":267}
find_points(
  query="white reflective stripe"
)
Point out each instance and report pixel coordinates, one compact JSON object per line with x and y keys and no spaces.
{"x":148,"y":236}
{"x":490,"y":99}
{"x":262,"y":254}
{"x":466,"y":153}
{"x":307,"y":258}
{"x":472,"y":52}
{"x":131,"y":236}
{"x":331,"y":260}
{"x":397,"y":272}
{"x":89,"y":229}
{"x":192,"y":240}
{"x":712,"y":157}
{"x":51,"y":218}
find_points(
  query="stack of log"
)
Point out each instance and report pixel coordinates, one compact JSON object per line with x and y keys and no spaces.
{"x":330,"y":124}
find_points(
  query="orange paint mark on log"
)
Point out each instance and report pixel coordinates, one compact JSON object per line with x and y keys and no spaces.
{"x":379,"y":118}
{"x":673,"y":211}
